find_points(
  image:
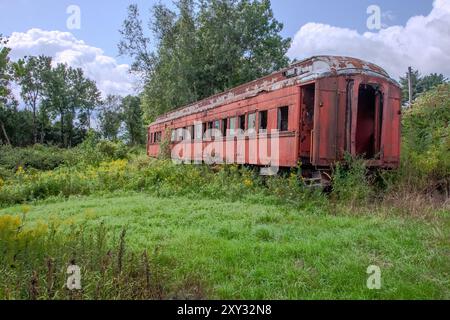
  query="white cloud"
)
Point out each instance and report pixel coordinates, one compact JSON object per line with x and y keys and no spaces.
{"x":111,"y":77}
{"x":423,"y":43}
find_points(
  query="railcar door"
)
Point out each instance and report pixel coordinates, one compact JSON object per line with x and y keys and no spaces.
{"x":307,"y":121}
{"x":369,"y":116}
{"x":325,"y":135}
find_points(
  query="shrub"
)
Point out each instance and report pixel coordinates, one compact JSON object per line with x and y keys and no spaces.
{"x":350,"y":181}
{"x":37,"y":157}
{"x":426,"y":141}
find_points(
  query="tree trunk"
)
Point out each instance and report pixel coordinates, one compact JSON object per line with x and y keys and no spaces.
{"x":63,"y":138}
{"x":4,"y":133}
{"x":34,"y":125}
{"x":42,"y":131}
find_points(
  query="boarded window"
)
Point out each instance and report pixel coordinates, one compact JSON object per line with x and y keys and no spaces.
{"x":251,"y":123}
{"x":263,"y":121}
{"x":283,"y":118}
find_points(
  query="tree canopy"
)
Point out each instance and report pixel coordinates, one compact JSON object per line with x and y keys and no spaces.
{"x":420,"y":84}
{"x":201,"y":48}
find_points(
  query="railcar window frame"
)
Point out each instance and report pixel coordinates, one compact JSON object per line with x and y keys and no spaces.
{"x":283,"y":124}
{"x":191,"y":132}
{"x":224,"y":127}
{"x":263,"y":120}
{"x":198,"y":132}
{"x":179,"y":134}
{"x":209,"y":126}
{"x":233,"y":121}
{"x":241,"y":122}
{"x":251,"y":122}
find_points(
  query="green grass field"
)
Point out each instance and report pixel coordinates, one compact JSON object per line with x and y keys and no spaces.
{"x":250,"y":251}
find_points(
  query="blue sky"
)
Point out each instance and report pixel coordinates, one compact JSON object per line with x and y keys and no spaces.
{"x":101,"y":19}
{"x":317,"y":27}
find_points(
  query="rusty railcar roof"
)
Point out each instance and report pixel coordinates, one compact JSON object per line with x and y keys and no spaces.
{"x":303,"y":71}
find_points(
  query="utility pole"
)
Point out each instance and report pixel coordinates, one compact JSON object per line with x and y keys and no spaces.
{"x":410,"y":86}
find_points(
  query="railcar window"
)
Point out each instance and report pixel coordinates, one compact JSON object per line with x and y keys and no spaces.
{"x":209,"y":127}
{"x":172,"y":138}
{"x":216,"y":128}
{"x":151,"y":138}
{"x":233,"y":126}
{"x":242,"y":122}
{"x":263,"y":121}
{"x":224,"y":127}
{"x":198,"y":131}
{"x":191,"y":133}
{"x":251,"y":123}
{"x":283,"y":118}
{"x":158,"y":136}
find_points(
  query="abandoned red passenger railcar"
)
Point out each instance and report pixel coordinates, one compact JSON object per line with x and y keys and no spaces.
{"x":318,"y":109}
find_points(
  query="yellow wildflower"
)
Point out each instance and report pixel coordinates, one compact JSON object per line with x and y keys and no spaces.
{"x":248,"y":182}
{"x":25,"y":209}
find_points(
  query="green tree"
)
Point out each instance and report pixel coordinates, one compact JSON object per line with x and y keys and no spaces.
{"x":5,"y":78}
{"x":84,"y":97}
{"x":419,"y":84}
{"x":70,"y":96}
{"x":432,"y":81}
{"x":56,"y":97}
{"x":30,"y":74}
{"x":110,"y":117}
{"x":202,"y":48}
{"x":133,"y":120}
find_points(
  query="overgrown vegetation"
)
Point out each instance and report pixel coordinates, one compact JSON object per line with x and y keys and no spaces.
{"x":201,"y":248}
{"x":36,"y":257}
{"x":426,"y":142}
{"x":99,"y":166}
